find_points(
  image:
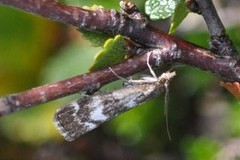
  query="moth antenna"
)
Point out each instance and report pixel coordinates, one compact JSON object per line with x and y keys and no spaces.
{"x":122,"y":78}
{"x":166,"y":100}
{"x":149,"y":66}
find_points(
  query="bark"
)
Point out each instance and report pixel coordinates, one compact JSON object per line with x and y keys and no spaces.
{"x":165,"y":49}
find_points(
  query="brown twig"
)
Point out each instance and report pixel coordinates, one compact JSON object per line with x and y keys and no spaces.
{"x":220,"y":41}
{"x":88,"y":81}
{"x":105,"y":21}
{"x":167,"y":50}
{"x":182,"y":53}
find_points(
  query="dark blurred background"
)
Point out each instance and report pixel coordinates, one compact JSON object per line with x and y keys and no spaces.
{"x":204,"y":119}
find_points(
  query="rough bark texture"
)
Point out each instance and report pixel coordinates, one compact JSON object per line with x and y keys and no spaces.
{"x":165,"y":50}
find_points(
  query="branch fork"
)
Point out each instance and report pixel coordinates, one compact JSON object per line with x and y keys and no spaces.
{"x":165,"y":50}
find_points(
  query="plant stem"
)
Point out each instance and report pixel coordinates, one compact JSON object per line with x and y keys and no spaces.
{"x":220,"y":41}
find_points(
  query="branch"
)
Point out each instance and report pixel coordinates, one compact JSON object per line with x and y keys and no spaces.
{"x":86,"y":82}
{"x":105,"y":21}
{"x":112,"y":22}
{"x":220,"y":41}
{"x":166,"y":50}
{"x":183,"y":53}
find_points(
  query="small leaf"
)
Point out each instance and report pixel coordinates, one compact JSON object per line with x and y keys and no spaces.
{"x":93,"y":7}
{"x":180,"y":13}
{"x":233,"y":88}
{"x":113,"y":52}
{"x":160,"y":9}
{"x":97,"y":39}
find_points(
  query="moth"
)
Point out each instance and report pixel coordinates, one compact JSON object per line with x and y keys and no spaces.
{"x":83,"y":115}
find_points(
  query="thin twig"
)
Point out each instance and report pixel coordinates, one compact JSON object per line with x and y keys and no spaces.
{"x":166,"y":50}
{"x":113,"y":22}
{"x":223,"y":67}
{"x":220,"y":41}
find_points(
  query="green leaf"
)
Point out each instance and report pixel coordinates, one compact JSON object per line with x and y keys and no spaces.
{"x":113,"y":52}
{"x":180,"y":13}
{"x":93,"y":7}
{"x":160,"y":9}
{"x":106,"y":3}
{"x":97,"y":39}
